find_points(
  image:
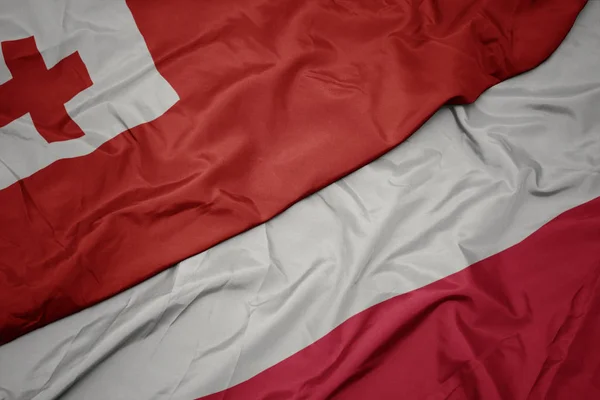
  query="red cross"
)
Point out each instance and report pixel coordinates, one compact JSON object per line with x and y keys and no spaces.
{"x":40,"y":91}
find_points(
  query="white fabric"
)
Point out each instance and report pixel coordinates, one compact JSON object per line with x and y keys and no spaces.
{"x":473,"y":181}
{"x":113,"y":51}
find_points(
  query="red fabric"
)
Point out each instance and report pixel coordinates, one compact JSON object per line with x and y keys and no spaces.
{"x":278,"y":99}
{"x":522,"y":324}
{"x":40,"y":91}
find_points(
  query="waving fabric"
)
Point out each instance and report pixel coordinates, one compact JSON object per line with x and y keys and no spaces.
{"x":462,"y":264}
{"x":167,"y":127}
